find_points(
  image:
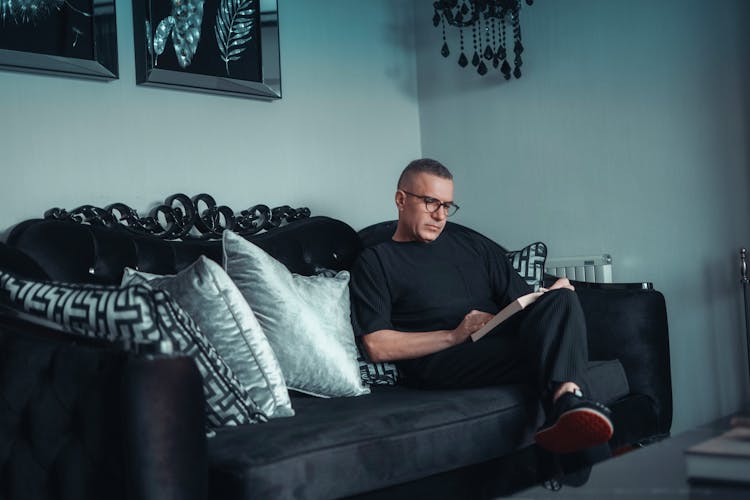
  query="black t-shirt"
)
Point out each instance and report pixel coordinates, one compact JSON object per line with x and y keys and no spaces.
{"x":414,"y":286}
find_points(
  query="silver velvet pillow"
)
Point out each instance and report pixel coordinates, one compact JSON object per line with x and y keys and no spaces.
{"x":216,"y":305}
{"x":306,"y":319}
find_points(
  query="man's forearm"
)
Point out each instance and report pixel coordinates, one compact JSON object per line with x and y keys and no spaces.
{"x":392,"y":345}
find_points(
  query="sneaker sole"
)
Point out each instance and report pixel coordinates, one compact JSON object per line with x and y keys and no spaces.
{"x":576,"y":430}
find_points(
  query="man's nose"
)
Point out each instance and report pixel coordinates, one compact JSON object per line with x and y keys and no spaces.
{"x":439,"y":214}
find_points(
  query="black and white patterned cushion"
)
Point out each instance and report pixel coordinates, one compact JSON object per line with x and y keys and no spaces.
{"x":135,"y":314}
{"x":529,"y":263}
{"x":375,"y":373}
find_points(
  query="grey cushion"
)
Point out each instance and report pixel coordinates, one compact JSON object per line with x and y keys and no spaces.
{"x":607,"y":381}
{"x":306,"y":319}
{"x":372,"y":373}
{"x":209,"y":296}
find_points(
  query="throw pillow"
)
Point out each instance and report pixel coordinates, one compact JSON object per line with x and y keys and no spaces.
{"x":529,"y":263}
{"x":371,"y":373}
{"x":306,"y":319}
{"x":135,"y":314}
{"x":132,"y":276}
{"x":209,"y":296}
{"x":375,"y":373}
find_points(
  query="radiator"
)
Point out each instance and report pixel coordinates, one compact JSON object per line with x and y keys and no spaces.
{"x":594,"y":269}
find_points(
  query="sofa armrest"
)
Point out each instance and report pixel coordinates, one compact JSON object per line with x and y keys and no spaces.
{"x":164,"y":409}
{"x":549,"y":279}
{"x":629,"y":323}
{"x":81,"y":418}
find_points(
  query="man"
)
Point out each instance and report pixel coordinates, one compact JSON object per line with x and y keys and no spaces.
{"x":417,"y":298}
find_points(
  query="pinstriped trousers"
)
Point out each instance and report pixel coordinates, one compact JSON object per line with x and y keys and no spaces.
{"x":544,"y":345}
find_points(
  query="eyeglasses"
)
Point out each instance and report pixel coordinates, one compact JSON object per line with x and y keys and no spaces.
{"x":433,"y":205}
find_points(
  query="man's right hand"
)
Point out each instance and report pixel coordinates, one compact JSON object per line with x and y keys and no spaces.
{"x":472,"y":322}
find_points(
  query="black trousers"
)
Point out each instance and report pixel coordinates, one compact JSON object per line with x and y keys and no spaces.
{"x":544,"y":344}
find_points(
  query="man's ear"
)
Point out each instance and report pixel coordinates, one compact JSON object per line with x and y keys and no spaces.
{"x":400,"y":199}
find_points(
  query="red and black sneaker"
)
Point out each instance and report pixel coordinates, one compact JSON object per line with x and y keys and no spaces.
{"x":576,"y":424}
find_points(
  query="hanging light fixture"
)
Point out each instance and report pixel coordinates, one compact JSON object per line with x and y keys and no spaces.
{"x":488,"y":21}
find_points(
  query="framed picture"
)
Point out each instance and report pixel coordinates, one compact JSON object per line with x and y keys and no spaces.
{"x":218,"y":46}
{"x":64,"y":37}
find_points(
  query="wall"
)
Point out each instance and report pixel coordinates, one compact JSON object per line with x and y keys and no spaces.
{"x":347,"y":123}
{"x":627,"y":134}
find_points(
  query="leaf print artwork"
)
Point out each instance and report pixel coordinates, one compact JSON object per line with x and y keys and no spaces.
{"x":188,"y":16}
{"x":27,"y":11}
{"x":163,"y":30}
{"x":233,"y":29}
{"x":32,"y":11}
{"x":184,"y":25}
{"x":228,"y":47}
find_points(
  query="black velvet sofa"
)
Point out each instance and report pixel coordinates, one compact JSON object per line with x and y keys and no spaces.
{"x":85,"y":419}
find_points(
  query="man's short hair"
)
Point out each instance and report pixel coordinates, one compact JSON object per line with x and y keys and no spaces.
{"x":423,"y":166}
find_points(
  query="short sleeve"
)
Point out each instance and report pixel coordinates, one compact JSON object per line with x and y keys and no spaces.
{"x":370,"y":296}
{"x":507,"y":284}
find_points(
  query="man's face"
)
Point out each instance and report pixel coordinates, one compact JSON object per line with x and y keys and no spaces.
{"x":415,"y":223}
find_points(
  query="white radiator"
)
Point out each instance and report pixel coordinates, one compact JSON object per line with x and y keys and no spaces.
{"x":594,"y":269}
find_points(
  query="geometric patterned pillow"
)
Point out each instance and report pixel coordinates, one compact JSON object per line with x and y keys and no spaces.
{"x":375,"y":373}
{"x":529,"y":263}
{"x":227,"y":401}
{"x":135,"y":314}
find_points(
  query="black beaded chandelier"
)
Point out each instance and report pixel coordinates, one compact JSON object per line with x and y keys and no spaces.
{"x":488,"y":20}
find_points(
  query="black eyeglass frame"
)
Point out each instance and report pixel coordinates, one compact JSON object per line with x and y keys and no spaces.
{"x":449,"y":207}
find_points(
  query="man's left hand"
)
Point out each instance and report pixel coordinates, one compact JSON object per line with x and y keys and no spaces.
{"x":560,"y":283}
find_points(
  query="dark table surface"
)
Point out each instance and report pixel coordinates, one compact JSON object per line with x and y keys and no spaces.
{"x":655,"y":471}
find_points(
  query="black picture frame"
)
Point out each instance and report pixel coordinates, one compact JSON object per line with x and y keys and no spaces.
{"x":76,"y":38}
{"x":228,"y":47}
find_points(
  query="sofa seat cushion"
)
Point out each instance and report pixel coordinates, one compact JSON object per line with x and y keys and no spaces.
{"x":607,"y":381}
{"x":393,"y":435}
{"x":343,"y":446}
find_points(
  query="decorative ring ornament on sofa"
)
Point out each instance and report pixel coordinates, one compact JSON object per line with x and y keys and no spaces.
{"x":182,"y":217}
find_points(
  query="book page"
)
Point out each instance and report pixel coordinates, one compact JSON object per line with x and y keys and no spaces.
{"x":505,"y":313}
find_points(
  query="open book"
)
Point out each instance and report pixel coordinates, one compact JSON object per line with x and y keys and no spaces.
{"x":505,"y":313}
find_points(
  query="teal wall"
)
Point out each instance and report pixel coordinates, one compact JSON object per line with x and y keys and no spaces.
{"x":346,"y":124}
{"x":627,"y":134}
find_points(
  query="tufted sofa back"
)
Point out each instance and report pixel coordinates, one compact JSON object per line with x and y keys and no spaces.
{"x":73,"y":252}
